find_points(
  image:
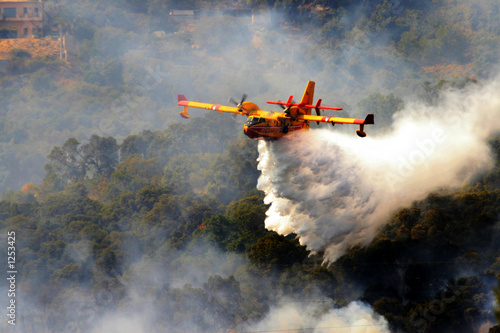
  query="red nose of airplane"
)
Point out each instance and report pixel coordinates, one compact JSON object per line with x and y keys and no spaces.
{"x":250,"y":132}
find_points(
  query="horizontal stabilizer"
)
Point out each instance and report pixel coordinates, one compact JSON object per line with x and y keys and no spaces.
{"x":288,"y":104}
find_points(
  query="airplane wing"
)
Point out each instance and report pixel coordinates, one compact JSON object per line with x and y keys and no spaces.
{"x":369,"y":120}
{"x":215,"y":107}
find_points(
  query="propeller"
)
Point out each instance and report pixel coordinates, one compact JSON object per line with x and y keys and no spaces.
{"x":285,"y":108}
{"x":240,"y":104}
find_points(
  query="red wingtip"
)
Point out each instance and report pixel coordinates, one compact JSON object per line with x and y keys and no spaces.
{"x":182,"y":100}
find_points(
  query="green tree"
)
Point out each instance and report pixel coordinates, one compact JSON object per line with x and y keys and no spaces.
{"x":100,"y":155}
{"x":382,"y":16}
{"x":248,"y":215}
{"x":133,"y":174}
{"x":133,"y":144}
{"x":67,"y":161}
{"x":448,"y":45}
{"x":148,"y":196}
{"x":220,"y":229}
{"x":235,"y":172}
{"x":274,"y":252}
{"x":383,"y":106}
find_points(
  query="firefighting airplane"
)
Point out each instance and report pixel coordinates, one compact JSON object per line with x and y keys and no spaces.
{"x":268,"y":125}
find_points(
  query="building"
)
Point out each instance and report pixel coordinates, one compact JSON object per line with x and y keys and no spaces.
{"x":182,"y":16}
{"x":21,"y":19}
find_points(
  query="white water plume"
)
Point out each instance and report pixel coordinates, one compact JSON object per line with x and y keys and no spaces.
{"x":334,"y":190}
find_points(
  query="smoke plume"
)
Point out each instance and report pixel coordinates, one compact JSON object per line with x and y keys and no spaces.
{"x":355,"y":318}
{"x":335,"y":190}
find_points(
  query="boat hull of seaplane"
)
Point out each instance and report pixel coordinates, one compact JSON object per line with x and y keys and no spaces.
{"x":270,"y":133}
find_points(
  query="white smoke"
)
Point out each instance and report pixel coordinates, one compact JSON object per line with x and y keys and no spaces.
{"x":334,"y":190}
{"x":357,"y":317}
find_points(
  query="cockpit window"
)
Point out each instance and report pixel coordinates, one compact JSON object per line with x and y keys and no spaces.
{"x":255,"y":120}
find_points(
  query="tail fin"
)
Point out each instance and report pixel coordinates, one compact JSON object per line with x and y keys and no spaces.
{"x":369,"y":120}
{"x":182,"y":100}
{"x":308,"y":96}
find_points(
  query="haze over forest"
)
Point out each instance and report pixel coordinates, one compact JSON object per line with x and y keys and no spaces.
{"x":131,"y":219}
